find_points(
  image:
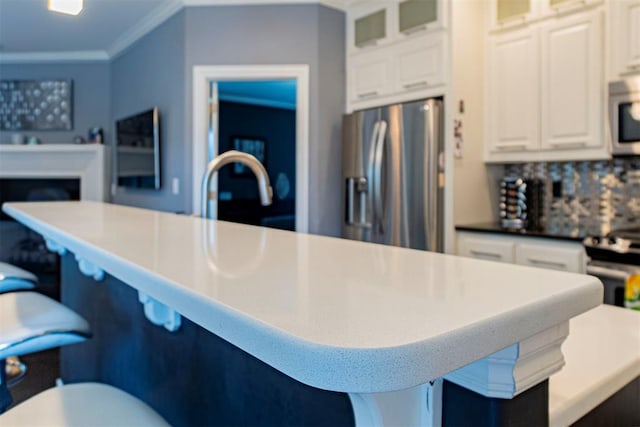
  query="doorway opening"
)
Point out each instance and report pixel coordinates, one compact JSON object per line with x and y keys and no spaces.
{"x":262,"y":110}
{"x":257,"y":117}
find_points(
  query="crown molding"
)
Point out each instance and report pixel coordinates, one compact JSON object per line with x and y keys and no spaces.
{"x":335,"y":4}
{"x":145,"y":26}
{"x":167,"y":10}
{"x":57,"y":57}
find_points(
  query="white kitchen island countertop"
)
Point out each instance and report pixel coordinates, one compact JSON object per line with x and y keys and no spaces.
{"x":332,"y":313}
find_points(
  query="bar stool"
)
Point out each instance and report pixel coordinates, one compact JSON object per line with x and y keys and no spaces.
{"x":14,"y":278}
{"x":30,"y":322}
{"x":83,"y":404}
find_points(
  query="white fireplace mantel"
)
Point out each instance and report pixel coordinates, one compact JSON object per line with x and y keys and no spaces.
{"x":85,"y":162}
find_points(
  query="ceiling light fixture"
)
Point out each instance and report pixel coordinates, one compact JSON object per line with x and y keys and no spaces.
{"x":70,"y":7}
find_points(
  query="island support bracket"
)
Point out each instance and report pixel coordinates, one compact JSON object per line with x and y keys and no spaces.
{"x":159,"y":314}
{"x":517,"y":368}
{"x":89,"y":269}
{"x":85,"y":266}
{"x":507,"y":387}
{"x":55,"y":247}
{"x":415,"y":406}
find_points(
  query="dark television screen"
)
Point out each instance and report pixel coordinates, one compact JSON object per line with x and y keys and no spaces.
{"x":138,"y":150}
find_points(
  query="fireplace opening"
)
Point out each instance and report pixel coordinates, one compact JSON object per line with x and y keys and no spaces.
{"x":25,"y":248}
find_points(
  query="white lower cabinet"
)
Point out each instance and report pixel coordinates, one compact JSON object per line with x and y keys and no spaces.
{"x":554,"y":255}
{"x":490,"y":248}
{"x":535,"y":252}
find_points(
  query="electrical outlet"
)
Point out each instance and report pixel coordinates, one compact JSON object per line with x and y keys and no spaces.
{"x":175,"y":186}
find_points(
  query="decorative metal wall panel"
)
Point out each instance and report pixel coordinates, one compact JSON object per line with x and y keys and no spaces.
{"x":36,"y":105}
{"x":589,"y":197}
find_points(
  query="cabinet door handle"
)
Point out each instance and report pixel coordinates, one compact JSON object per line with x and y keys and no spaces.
{"x":415,"y":30}
{"x":416,"y":84}
{"x":485,"y":254}
{"x":368,"y":43}
{"x":368,"y":94}
{"x":511,"y":147}
{"x":563,"y":7}
{"x":633,"y":66}
{"x":609,"y":273}
{"x":511,"y":20}
{"x":544,"y":262}
{"x":576,"y":144}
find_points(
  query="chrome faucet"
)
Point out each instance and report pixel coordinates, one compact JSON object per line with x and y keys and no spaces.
{"x":232,"y":156}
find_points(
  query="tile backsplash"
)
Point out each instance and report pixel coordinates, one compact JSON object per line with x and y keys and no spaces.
{"x":587,"y":197}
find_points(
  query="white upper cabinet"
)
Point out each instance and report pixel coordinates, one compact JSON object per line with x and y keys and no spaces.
{"x":510,"y":13}
{"x":572,"y":82}
{"x":396,"y":51}
{"x":551,"y":7}
{"x":512,"y":96}
{"x":369,"y":26}
{"x":625,"y":45}
{"x":507,"y":14}
{"x":370,"y":75}
{"x":546,"y":89}
{"x":417,"y":16}
{"x":419,"y":63}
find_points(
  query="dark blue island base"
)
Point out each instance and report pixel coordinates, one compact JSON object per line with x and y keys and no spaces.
{"x":191,"y":377}
{"x":194,"y":378}
{"x":463,"y":407}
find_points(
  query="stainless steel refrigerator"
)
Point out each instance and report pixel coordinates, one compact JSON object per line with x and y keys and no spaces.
{"x":393,"y":175}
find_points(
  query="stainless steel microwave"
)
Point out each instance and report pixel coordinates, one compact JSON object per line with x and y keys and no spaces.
{"x":624,"y":116}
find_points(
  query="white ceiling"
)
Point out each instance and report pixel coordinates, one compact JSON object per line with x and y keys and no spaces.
{"x":104,"y":28}
{"x":28,"y":26}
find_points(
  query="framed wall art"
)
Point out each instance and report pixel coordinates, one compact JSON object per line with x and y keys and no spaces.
{"x":251,"y":145}
{"x":36,"y":105}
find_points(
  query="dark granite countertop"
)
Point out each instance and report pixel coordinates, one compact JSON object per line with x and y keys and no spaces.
{"x":495,"y":228}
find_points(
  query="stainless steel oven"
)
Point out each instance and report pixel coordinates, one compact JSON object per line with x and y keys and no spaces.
{"x":614,"y":259}
{"x":624,"y":116}
{"x":614,"y":278}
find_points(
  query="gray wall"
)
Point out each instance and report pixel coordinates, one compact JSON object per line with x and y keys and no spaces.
{"x":151,"y":73}
{"x":326,"y":153}
{"x":157,"y":70}
{"x":91,"y":96}
{"x":283,"y":34}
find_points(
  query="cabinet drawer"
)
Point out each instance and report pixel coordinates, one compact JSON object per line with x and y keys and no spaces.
{"x":486,"y":248}
{"x":554,"y":256}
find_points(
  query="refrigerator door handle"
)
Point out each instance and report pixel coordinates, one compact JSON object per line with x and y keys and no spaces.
{"x":351,"y":184}
{"x":371,"y":166}
{"x":432,"y":184}
{"x":378,"y":207}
